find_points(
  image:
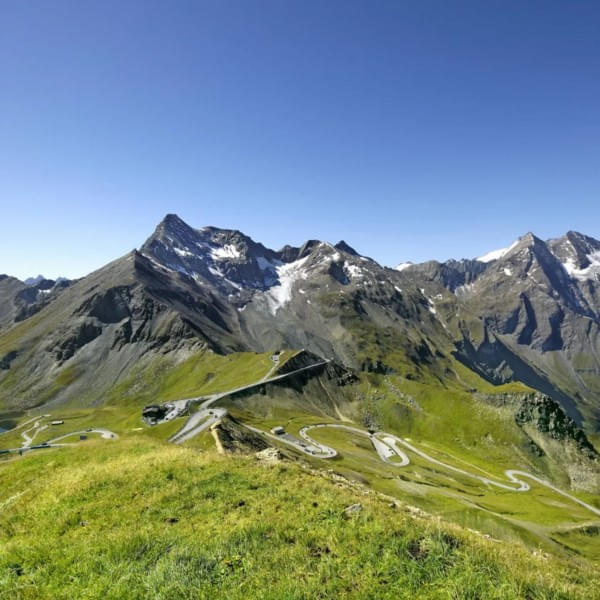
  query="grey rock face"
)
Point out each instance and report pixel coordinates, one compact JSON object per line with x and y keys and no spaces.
{"x":547,"y":416}
{"x":532,"y":314}
{"x":452,"y":274}
{"x":20,"y":300}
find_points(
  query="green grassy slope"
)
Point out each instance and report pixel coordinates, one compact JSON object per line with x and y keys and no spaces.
{"x":450,"y":424}
{"x":136,"y":518}
{"x":446,"y":421}
{"x":201,"y":374}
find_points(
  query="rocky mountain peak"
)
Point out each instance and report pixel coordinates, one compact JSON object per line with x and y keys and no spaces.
{"x":34,"y":280}
{"x":307,"y":248}
{"x":452,"y":274}
{"x":172,"y":220}
{"x":173,"y":226}
{"x":344,"y":247}
{"x":583,"y":241}
{"x":529,"y":238}
{"x":225,"y":258}
{"x":229,"y":263}
{"x":528,"y":246}
{"x":574,"y":255}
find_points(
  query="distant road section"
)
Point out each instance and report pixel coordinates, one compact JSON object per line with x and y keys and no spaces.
{"x":38,"y":426}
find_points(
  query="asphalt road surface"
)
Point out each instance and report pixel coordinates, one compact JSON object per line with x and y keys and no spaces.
{"x":386,"y":442}
{"x":205,"y":416}
{"x":28,"y":443}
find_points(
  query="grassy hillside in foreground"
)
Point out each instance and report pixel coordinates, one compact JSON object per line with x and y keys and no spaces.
{"x":136,"y":518}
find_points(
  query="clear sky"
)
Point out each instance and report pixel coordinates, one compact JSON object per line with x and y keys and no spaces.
{"x":413,"y":130}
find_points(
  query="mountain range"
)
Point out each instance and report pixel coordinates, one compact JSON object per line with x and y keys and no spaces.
{"x":528,"y":313}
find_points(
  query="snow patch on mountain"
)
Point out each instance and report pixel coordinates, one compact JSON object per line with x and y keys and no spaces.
{"x":353,"y":271}
{"x":592,"y":271}
{"x":463,"y":290}
{"x":288,"y":274}
{"x":218,"y":273}
{"x":183,"y":252}
{"x":432,"y":308}
{"x":180,"y":269}
{"x":496,"y":254}
{"x":403,"y":266}
{"x":227,"y":251}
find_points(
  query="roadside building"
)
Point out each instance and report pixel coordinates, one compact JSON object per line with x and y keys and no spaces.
{"x":154,"y":412}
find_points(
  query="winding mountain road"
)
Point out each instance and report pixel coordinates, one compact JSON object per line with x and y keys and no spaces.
{"x":27,"y":444}
{"x":390,"y":441}
{"x":387,"y":445}
{"x":104,"y":433}
{"x":197,"y":423}
{"x":36,"y":428}
{"x":204,"y":417}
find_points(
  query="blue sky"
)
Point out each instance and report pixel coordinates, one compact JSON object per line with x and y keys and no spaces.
{"x":413,"y":130}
